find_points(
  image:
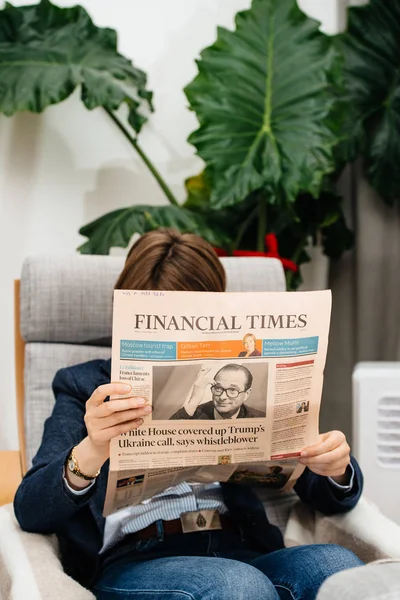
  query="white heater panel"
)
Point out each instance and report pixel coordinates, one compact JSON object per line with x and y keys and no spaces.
{"x":376,"y":432}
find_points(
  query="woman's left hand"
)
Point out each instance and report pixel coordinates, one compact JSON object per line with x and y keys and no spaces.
{"x":330,"y":456}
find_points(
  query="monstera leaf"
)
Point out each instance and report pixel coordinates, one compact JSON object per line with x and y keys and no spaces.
{"x":116,"y":228}
{"x":221,"y":227}
{"x":47,"y":51}
{"x":371,"y":48}
{"x":263,"y":98}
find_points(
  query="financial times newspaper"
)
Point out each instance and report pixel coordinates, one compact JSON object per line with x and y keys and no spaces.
{"x":235,"y":382}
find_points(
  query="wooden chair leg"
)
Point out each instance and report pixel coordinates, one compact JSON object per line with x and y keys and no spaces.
{"x":10,"y":475}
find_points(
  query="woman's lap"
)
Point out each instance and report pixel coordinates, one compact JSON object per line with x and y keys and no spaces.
{"x":185,"y":578}
{"x":297,"y":574}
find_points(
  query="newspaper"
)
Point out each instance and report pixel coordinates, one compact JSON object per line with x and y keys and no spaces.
{"x":235,"y":382}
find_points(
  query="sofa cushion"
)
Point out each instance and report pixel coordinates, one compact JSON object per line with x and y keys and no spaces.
{"x":42,"y":361}
{"x":68,"y":299}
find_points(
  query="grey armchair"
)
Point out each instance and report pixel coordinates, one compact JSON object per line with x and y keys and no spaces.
{"x":65,"y":318}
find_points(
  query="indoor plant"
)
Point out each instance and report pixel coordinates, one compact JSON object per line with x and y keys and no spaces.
{"x":269,"y":122}
{"x":275,"y":126}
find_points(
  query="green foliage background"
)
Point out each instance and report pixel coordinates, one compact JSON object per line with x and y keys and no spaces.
{"x":282,"y":108}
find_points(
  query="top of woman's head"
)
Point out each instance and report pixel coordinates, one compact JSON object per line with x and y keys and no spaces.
{"x":165,"y":259}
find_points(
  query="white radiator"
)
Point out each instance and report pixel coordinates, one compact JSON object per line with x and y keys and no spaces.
{"x":376,"y":432}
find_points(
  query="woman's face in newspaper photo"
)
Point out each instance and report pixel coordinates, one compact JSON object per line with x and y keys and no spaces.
{"x":230,"y":391}
{"x":249,"y":344}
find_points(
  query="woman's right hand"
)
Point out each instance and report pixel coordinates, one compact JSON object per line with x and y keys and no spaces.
{"x":104,"y":421}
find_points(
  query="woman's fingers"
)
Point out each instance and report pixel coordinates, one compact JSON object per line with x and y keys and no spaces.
{"x":327,"y":442}
{"x":331,"y":457}
{"x":105,"y":435}
{"x":108,"y":408}
{"x":105,"y":420}
{"x":123,"y":417}
{"x":108,"y":389}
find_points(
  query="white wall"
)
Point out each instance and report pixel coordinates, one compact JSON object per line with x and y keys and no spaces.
{"x":68,"y":166}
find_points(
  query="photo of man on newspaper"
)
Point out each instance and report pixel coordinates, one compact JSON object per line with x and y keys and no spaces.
{"x":275,"y":477}
{"x":227,"y":391}
{"x":225,"y":459}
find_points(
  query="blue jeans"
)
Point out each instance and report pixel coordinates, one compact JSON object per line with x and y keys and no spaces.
{"x":218,"y":565}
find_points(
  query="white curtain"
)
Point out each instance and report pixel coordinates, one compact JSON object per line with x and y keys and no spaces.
{"x":366,"y":297}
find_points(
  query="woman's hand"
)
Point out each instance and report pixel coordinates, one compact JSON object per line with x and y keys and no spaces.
{"x":105,"y":420}
{"x":330,"y":456}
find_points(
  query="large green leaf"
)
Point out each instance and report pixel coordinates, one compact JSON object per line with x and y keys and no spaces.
{"x":47,"y":51}
{"x":372,"y":66}
{"x":116,"y":228}
{"x":233,"y":220}
{"x":263,"y":97}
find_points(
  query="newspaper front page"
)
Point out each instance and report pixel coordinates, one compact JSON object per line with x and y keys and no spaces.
{"x":235,"y":382}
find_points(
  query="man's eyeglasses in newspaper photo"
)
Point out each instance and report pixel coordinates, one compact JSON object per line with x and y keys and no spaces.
{"x":218,"y":390}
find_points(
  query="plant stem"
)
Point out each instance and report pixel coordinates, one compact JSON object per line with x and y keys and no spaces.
{"x":262,"y":223}
{"x":295,"y":258}
{"x":144,"y":157}
{"x":243,"y":228}
{"x":289,"y":277}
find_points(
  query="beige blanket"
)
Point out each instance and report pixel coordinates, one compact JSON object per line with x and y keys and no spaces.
{"x":364,"y":530}
{"x":30,"y":568}
{"x":29,"y":565}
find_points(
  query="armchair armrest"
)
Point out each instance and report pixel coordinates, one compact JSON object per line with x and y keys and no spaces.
{"x":30,"y":566}
{"x":364,"y":530}
{"x":10,"y":475}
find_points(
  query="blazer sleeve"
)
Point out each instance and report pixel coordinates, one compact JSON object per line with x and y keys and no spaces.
{"x":43,"y":504}
{"x":319,"y":493}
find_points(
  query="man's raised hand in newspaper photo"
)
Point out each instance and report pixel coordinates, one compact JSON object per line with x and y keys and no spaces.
{"x":230,"y":388}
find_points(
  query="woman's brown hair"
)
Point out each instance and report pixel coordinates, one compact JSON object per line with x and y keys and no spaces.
{"x":250,"y":335}
{"x":165,"y":259}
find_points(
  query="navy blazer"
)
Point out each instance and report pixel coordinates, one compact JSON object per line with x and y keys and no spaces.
{"x":43,"y":504}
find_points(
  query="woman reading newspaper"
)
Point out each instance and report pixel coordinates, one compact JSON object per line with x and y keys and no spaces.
{"x":142,"y":552}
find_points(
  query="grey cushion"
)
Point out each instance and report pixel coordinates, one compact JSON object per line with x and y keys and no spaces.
{"x":69,"y":298}
{"x":42,"y":361}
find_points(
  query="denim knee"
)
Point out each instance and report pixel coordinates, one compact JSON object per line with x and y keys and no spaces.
{"x":226,"y":579}
{"x":331,"y":558}
{"x":323,"y":560}
{"x":303,"y":569}
{"x":186,"y":578}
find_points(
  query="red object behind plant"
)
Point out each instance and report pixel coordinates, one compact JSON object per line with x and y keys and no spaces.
{"x":271,"y":251}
